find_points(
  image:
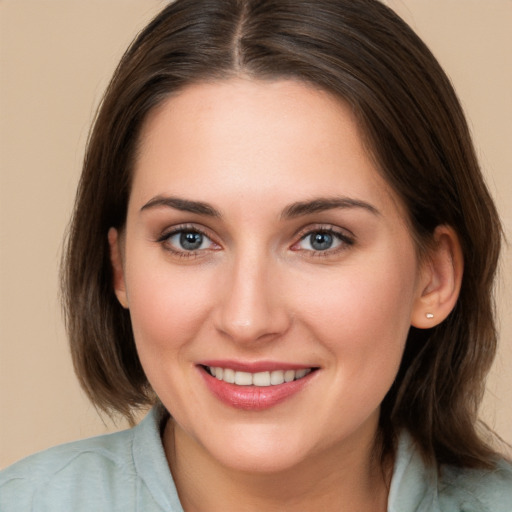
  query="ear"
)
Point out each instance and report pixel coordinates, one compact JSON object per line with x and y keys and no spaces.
{"x":116,"y":260}
{"x":440,"y":280}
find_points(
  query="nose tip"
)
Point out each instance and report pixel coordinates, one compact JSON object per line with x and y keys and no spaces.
{"x":247,"y":331}
{"x":252,"y":309}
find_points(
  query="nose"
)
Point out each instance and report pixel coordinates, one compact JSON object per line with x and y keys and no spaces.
{"x":251,"y":307}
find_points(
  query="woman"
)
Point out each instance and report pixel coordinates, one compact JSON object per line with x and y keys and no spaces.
{"x":282,"y":241}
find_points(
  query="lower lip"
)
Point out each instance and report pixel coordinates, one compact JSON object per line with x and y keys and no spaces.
{"x":253,"y":398}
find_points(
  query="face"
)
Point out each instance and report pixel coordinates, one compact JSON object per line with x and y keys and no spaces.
{"x":269,"y":272}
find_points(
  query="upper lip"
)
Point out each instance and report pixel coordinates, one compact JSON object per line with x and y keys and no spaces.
{"x":254,"y":366}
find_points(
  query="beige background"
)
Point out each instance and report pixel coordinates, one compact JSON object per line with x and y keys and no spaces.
{"x":56,"y":58}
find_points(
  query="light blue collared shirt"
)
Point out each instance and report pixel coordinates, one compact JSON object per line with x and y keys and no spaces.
{"x":128,"y":472}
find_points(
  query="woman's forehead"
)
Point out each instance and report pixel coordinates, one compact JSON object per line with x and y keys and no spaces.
{"x":255,"y":138}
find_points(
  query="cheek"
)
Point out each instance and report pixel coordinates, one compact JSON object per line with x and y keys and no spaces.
{"x":363,"y":315}
{"x":167,"y":308}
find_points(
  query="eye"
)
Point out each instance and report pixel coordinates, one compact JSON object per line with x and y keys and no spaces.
{"x":323,"y":240}
{"x":320,"y":241}
{"x":187,"y":241}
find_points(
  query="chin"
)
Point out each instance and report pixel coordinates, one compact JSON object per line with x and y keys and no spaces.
{"x":262,"y":460}
{"x":258,"y":450}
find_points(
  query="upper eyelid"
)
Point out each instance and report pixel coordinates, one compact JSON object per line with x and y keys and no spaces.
{"x":344,"y":239}
{"x":172,"y":230}
{"x":342,"y":231}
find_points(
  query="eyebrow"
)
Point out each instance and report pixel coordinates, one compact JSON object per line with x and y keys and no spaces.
{"x":294,"y":210}
{"x":184,"y":205}
{"x":326,"y":203}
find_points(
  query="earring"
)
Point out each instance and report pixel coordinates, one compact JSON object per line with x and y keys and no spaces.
{"x":429,"y":316}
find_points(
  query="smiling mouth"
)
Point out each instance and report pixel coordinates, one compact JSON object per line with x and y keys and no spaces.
{"x":259,"y":379}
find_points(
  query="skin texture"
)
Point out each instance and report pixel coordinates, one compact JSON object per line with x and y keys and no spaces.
{"x":257,"y":290}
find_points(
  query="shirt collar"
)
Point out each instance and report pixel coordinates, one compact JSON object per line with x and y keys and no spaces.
{"x":151,"y":463}
{"x":414,"y":484}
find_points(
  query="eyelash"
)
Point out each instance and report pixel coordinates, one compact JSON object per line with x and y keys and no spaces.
{"x":344,"y":240}
{"x":166,"y":235}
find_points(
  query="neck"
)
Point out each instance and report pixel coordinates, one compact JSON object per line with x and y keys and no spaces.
{"x":335,"y":480}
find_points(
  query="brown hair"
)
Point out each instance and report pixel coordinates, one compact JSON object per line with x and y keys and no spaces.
{"x":415,"y":128}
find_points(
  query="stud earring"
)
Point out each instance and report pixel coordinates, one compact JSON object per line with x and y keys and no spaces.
{"x":429,"y":316}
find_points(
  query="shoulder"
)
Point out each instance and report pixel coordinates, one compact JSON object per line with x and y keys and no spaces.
{"x":475,"y":490}
{"x":126,"y":471}
{"x":60,"y":471}
{"x":103,"y":450}
{"x":420,"y":487}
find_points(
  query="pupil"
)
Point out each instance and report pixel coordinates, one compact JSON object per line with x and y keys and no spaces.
{"x":321,"y":241}
{"x":191,"y":241}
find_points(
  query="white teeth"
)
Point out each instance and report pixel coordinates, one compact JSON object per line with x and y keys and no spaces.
{"x":289,"y":375}
{"x":261,"y":379}
{"x":243,"y":378}
{"x":229,"y":375}
{"x":301,"y":373}
{"x":276,"y":377}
